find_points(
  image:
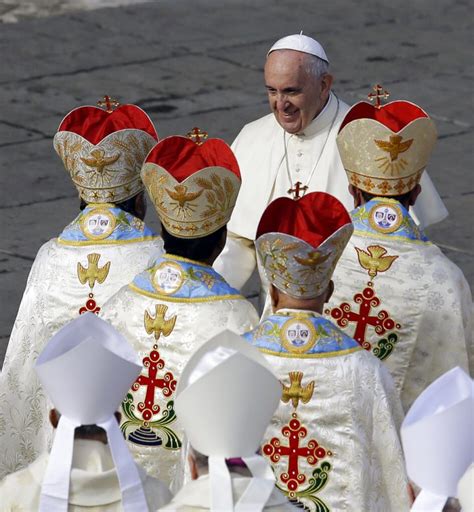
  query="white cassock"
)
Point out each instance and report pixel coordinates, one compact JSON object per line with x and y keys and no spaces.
{"x":195,"y":496}
{"x":271,"y":161}
{"x":93,"y":486}
{"x":333,"y":441}
{"x":415,"y":313}
{"x":166,"y":313}
{"x":58,"y":287}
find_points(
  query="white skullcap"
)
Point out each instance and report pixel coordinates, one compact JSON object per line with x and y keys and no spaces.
{"x":300,"y":43}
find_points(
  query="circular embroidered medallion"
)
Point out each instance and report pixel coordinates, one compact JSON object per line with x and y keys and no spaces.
{"x":298,"y":335}
{"x":168,"y":277}
{"x":385,"y":217}
{"x":98,"y":224}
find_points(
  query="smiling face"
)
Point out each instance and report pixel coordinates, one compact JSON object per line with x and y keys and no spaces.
{"x":296,"y":96}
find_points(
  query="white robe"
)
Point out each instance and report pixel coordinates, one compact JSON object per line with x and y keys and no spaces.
{"x":197,"y":304}
{"x":260,"y":151}
{"x":424,"y":294}
{"x":196,"y":496}
{"x":53,"y":296}
{"x":346,"y":414}
{"x":94,"y":484}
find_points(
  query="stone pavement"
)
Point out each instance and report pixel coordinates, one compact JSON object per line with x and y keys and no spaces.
{"x":200,"y":63}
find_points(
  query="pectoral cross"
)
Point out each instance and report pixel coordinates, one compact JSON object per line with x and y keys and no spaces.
{"x":109,"y":103}
{"x":379,"y":93}
{"x":297,"y":189}
{"x":197,"y":135}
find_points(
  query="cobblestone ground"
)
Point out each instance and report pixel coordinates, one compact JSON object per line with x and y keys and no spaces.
{"x":200,"y":63}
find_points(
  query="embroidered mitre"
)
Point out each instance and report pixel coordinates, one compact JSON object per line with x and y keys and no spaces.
{"x":193,"y":185}
{"x":299,"y":242}
{"x":103,"y":151}
{"x":385,"y":148}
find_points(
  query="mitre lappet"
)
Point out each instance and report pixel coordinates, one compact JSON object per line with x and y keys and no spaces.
{"x":299,"y":242}
{"x":193,"y":184}
{"x":103,"y":150}
{"x":231,"y":381}
{"x":385,"y":148}
{"x":86,"y":369}
{"x":437,"y":438}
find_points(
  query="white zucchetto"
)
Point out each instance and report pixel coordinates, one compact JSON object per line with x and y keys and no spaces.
{"x":300,"y":43}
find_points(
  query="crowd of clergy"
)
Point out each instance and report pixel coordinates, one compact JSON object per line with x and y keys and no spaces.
{"x":139,"y":378}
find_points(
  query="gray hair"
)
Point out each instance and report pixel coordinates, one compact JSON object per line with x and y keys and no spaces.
{"x":315,"y":66}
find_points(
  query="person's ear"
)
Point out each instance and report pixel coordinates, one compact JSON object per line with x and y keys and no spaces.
{"x":274,"y":295}
{"x":326,"y":84}
{"x":140,"y":205}
{"x":193,"y":467}
{"x":329,"y":291}
{"x":357,"y":195}
{"x":54,"y":417}
{"x":414,"y":193}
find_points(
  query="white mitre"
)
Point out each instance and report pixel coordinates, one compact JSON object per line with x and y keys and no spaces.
{"x":300,"y":43}
{"x":437,"y":438}
{"x":231,"y":381}
{"x":86,"y":369}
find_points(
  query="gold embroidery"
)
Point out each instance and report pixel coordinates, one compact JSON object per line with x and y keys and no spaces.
{"x":298,"y":335}
{"x":197,"y":136}
{"x":93,"y":272}
{"x":385,"y":217}
{"x":159,"y":325}
{"x":168,"y":277}
{"x":182,"y":196}
{"x":295,"y":391}
{"x":394,"y":147}
{"x":96,"y":228}
{"x":374,"y":260}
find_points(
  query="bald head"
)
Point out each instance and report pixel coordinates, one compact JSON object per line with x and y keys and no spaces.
{"x":298,"y":88}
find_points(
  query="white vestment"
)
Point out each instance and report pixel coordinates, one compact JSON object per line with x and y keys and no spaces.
{"x":416,"y":312}
{"x":166,"y":313}
{"x":196,"y":495}
{"x":54,"y":295}
{"x":94,"y":485}
{"x":333,"y":441}
{"x":268,"y":172}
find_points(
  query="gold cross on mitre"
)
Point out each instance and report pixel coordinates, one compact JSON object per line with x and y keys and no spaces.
{"x":297,"y":189}
{"x":109,"y":103}
{"x":378,"y":94}
{"x":197,"y":135}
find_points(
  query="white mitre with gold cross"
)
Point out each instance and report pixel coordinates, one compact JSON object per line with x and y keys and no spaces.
{"x":300,"y":241}
{"x":192,"y":184}
{"x":103,"y":150}
{"x":385,"y":148}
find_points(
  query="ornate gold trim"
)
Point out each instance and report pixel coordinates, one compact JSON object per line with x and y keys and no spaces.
{"x":165,"y":298}
{"x":172,"y":264}
{"x":309,"y":356}
{"x":169,"y":255}
{"x":382,"y":236}
{"x":287,"y":343}
{"x":98,"y":211}
{"x":381,"y":229}
{"x":73,"y":243}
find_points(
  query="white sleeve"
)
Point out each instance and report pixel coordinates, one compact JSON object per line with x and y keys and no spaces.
{"x":237,"y":261}
{"x":429,"y":208}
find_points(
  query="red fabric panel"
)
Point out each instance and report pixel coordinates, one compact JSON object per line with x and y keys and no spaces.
{"x":182,"y":157}
{"x":313,"y":218}
{"x":395,"y":115}
{"x":94,"y":124}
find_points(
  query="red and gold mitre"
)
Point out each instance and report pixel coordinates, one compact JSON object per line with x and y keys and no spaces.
{"x":385,"y":148}
{"x":104,"y":150}
{"x":193,"y":185}
{"x":300,"y":242}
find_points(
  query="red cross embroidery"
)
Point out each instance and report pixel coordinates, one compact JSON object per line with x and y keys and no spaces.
{"x":167,"y":384}
{"x":367,"y":300}
{"x":294,"y":431}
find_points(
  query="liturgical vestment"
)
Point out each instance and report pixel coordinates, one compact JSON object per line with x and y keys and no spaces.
{"x":401,"y":298}
{"x":166,"y":313}
{"x":333,"y":441}
{"x":100,"y":251}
